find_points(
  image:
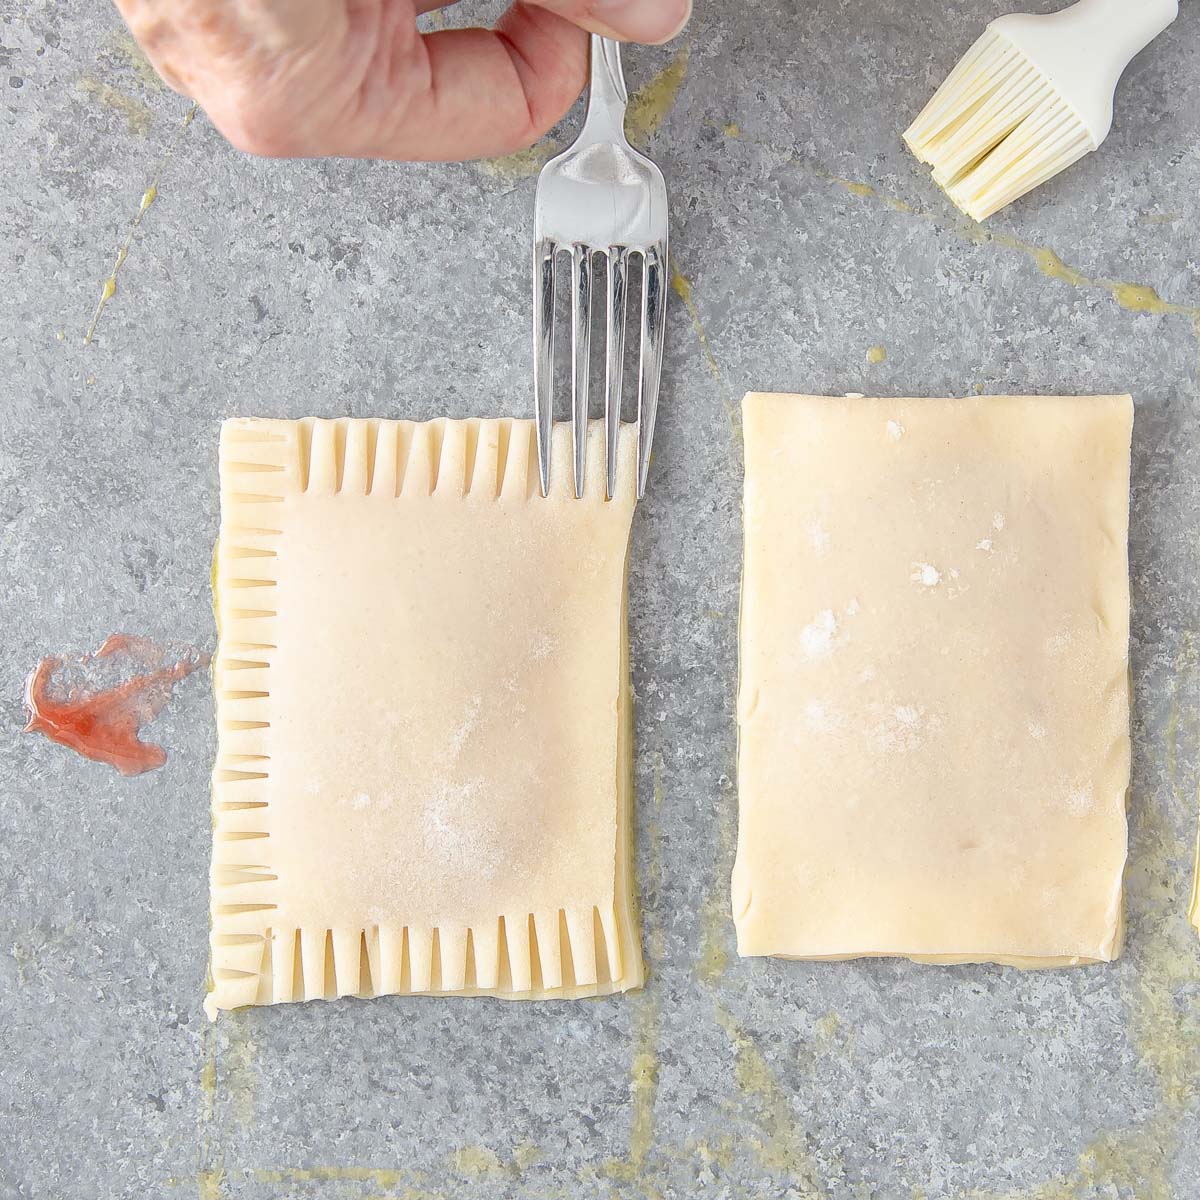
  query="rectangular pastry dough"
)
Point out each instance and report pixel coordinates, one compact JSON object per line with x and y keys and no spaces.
{"x":934,"y":701}
{"x":423,"y":776}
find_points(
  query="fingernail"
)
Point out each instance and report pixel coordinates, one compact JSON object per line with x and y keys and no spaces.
{"x":649,"y":21}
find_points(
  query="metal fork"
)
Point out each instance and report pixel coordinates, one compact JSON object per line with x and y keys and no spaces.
{"x":600,"y":197}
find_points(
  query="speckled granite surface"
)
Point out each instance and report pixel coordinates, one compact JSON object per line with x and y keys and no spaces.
{"x":805,"y":237}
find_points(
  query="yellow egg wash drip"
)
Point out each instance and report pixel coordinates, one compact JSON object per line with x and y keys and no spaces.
{"x":525,"y":1154}
{"x":643,"y":1071}
{"x":1133,"y":297}
{"x":1159,"y":980}
{"x":828,"y":1026}
{"x":210,"y":1173}
{"x":210,"y":1184}
{"x":383,"y":1177}
{"x":782,"y":1147}
{"x":477,"y":1161}
{"x":718,"y":1150}
{"x":682,"y":287}
{"x":109,"y":288}
{"x":857,"y":189}
{"x":643,"y":1087}
{"x":238,"y":1071}
{"x":525,"y":164}
{"x":715,"y":922}
{"x":122,"y":46}
{"x":138,"y":116}
{"x":714,"y":958}
{"x":651,"y":104}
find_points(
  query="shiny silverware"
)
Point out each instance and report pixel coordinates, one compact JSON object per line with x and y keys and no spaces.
{"x":600,"y":198}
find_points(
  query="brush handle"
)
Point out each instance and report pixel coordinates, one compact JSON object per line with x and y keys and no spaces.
{"x":1125,"y":26}
{"x":1083,"y":50}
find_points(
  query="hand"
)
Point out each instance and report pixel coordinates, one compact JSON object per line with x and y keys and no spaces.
{"x":355,"y":78}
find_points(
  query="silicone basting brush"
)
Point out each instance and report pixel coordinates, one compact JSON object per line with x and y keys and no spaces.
{"x":1033,"y":95}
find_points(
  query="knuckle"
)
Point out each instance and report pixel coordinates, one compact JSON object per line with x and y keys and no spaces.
{"x":252,"y":124}
{"x":263,"y":140}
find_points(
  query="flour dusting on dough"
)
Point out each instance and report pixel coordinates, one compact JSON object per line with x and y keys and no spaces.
{"x":926,"y":573}
{"x":1057,"y":643}
{"x":460,"y":831}
{"x":817,"y":637}
{"x":895,"y":430}
{"x":820,"y":718}
{"x":1079,"y":800}
{"x":460,"y":737}
{"x":902,"y":728}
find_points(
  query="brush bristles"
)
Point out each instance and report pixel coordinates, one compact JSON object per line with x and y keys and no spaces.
{"x":995,"y":129}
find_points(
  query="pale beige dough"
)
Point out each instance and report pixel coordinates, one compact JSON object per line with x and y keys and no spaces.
{"x":423,"y":777}
{"x":933,"y":709}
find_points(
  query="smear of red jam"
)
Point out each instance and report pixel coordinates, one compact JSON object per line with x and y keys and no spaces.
{"x":98,"y":703}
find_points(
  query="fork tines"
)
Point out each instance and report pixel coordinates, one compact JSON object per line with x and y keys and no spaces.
{"x":654,"y":261}
{"x":600,"y":196}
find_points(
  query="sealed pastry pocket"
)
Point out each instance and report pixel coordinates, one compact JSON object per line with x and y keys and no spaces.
{"x":423,"y":779}
{"x":934,"y":704}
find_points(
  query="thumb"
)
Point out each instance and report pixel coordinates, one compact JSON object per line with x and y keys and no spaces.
{"x":650,"y":21}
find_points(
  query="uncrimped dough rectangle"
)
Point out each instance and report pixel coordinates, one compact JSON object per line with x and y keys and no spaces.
{"x":934,"y":702}
{"x":423,"y":780}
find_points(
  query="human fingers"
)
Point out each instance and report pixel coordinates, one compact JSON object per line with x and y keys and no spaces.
{"x":650,"y":21}
{"x":185,"y":39}
{"x":487,"y":92}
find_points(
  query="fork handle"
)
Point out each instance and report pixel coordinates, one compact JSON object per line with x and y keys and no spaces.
{"x":607,"y":94}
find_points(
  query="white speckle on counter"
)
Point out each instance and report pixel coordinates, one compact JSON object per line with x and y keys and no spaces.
{"x":854,"y":395}
{"x":816,"y":638}
{"x":926,"y":574}
{"x":895,"y":430}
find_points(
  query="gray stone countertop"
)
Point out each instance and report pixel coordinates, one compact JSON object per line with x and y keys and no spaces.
{"x":804,"y":237}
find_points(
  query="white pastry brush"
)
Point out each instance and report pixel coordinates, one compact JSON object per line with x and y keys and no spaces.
{"x":1033,"y":95}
